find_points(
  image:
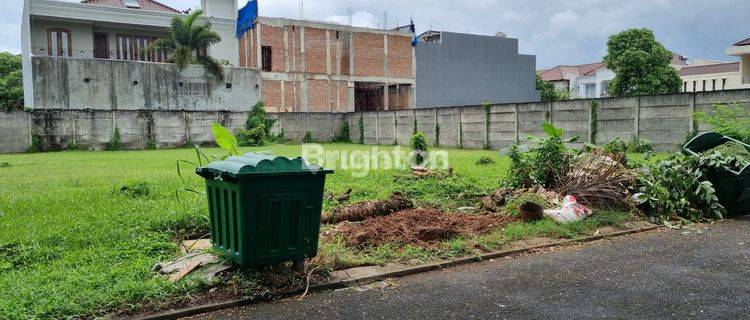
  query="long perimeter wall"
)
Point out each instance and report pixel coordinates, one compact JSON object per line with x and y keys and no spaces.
{"x":662,"y":119}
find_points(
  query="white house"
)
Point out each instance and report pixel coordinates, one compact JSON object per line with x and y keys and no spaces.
{"x":742,"y":49}
{"x":591,"y":80}
{"x":112,"y":30}
{"x":711,"y":77}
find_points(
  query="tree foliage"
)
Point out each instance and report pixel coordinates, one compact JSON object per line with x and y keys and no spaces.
{"x":11,"y":81}
{"x":640,"y":63}
{"x":548,"y":91}
{"x":185,"y":38}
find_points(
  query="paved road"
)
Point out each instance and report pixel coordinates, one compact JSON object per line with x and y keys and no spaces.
{"x":657,"y":275}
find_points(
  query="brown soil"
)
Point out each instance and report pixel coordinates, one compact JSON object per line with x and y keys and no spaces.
{"x":421,"y":227}
{"x":363,"y":210}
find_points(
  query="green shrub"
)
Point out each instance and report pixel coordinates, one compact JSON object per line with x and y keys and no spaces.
{"x":343,"y":134}
{"x":34,"y":146}
{"x":547,"y":160}
{"x":254,"y":137}
{"x":615,"y":146}
{"x":114,"y":142}
{"x":136,"y":189}
{"x":258,"y":117}
{"x":420,"y":148}
{"x":731,"y":155}
{"x":511,"y":208}
{"x":308,"y":137}
{"x":594,"y":130}
{"x":484,"y":161}
{"x":71,"y":146}
{"x":437,"y":135}
{"x":676,"y":188}
{"x":151,"y":144}
{"x":5,"y":165}
{"x":732,"y":121}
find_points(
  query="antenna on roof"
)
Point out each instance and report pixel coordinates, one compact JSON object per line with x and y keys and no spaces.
{"x":301,"y":10}
{"x":349,"y":12}
{"x":385,"y":19}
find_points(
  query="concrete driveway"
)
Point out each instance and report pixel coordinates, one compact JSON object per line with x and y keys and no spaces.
{"x":665,"y":274}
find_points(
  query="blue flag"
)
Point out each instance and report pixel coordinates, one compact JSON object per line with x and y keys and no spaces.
{"x":246,"y":16}
{"x":414,"y":40}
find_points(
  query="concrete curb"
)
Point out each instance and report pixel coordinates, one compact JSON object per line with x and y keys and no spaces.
{"x":192,"y":311}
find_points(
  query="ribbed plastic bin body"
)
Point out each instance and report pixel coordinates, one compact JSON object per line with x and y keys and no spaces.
{"x":732,"y":187}
{"x":263,"y":209}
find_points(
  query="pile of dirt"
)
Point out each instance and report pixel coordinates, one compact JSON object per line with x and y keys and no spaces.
{"x":368,"y":209}
{"x":420,"y":227}
{"x":496,"y":201}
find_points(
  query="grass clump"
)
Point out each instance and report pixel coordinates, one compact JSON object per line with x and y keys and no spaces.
{"x":136,"y":189}
{"x":5,"y":165}
{"x":484,"y":161}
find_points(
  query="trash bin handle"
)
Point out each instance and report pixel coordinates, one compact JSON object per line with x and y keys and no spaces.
{"x":225,"y":176}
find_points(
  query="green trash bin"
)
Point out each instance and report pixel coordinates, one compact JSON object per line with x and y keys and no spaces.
{"x":264,"y":209}
{"x":732,"y":187}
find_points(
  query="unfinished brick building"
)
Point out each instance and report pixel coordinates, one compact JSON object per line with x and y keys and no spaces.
{"x":322,"y":67}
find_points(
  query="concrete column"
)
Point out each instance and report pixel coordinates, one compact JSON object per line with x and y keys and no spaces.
{"x":258,"y":49}
{"x":302,"y":47}
{"x":29,"y":123}
{"x":351,"y":53}
{"x":385,"y":55}
{"x":377,"y":127}
{"x":395,"y":127}
{"x":460,"y":127}
{"x":350,"y":87}
{"x":73,"y":125}
{"x":286,"y":54}
{"x":385,"y":96}
{"x":691,"y":117}
{"x":186,"y":119}
{"x":303,"y":94}
{"x":283,"y":97}
{"x":637,"y":120}
{"x":515,"y":115}
{"x":328,"y":52}
{"x":550,"y":109}
{"x":437,"y":134}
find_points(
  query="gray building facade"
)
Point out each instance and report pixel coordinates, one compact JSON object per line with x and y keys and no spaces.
{"x":455,"y":69}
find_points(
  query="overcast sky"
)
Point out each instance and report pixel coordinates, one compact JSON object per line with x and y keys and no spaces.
{"x":556,"y":31}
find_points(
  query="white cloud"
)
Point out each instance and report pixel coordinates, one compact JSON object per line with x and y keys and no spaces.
{"x":557,"y":32}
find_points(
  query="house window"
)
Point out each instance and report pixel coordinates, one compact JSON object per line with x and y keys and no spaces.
{"x":590,"y":90}
{"x":59,"y":42}
{"x":695,"y":86}
{"x":724,"y":84}
{"x":704,"y":85}
{"x":684,"y":86}
{"x":130,"y":47}
{"x":713,"y":84}
{"x":605,"y":88}
{"x":266,"y":54}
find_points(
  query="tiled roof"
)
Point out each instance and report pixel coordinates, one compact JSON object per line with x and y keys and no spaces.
{"x":745,"y":42}
{"x":147,"y":5}
{"x":562,"y":72}
{"x":710,"y":69}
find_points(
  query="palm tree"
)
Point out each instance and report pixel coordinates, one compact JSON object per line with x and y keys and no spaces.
{"x":185,"y":39}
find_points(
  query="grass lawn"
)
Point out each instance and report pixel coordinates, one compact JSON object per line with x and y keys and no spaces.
{"x":72,"y":243}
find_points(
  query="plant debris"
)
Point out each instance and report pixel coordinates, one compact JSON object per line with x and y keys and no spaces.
{"x":423,"y":172}
{"x":368,"y":209}
{"x":505,"y":198}
{"x":420,"y":227}
{"x":136,"y":189}
{"x":484,"y":161}
{"x":598,"y":181}
{"x":340,"y":198}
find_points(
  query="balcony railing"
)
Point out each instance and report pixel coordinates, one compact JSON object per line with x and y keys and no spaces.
{"x":96,"y":54}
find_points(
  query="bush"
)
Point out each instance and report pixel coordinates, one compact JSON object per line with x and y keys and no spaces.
{"x":420,"y":148}
{"x":34,"y":147}
{"x":730,"y":121}
{"x":547,"y":160}
{"x":676,"y":188}
{"x":343,"y":134}
{"x":71,"y":146}
{"x":251,"y":138}
{"x":151,"y":144}
{"x":114,"y":142}
{"x":308,"y":137}
{"x":615,"y":146}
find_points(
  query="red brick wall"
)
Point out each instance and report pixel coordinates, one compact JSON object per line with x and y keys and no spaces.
{"x":274,"y":37}
{"x":242,"y":52}
{"x":344,"y":38}
{"x":399,"y":57}
{"x":368,"y":55}
{"x":343,"y":96}
{"x":317,"y":96}
{"x":295,"y":63}
{"x":398,"y":99}
{"x":292,"y":96}
{"x":272,"y":95}
{"x":315,"y":50}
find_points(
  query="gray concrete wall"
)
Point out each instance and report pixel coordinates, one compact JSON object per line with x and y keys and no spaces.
{"x":467,"y":69}
{"x":89,"y":84}
{"x":662,"y":119}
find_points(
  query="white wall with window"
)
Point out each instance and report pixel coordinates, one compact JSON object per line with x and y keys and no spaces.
{"x":711,"y":82}
{"x":593,"y":85}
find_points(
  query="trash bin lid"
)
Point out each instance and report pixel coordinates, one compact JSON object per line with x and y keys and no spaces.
{"x":254,"y":164}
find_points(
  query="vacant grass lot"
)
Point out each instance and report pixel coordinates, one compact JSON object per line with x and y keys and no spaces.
{"x":72,"y":242}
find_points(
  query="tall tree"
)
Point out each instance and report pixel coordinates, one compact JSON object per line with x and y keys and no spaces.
{"x":640,"y":63}
{"x":187,"y":37}
{"x":11,"y":81}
